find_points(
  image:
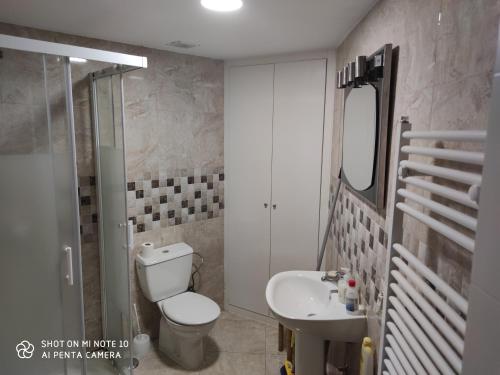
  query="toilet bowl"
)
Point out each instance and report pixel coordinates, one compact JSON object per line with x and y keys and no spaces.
{"x":187,"y":317}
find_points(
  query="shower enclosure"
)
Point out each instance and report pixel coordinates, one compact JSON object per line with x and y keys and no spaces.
{"x":40,"y":251}
{"x":109,"y":144}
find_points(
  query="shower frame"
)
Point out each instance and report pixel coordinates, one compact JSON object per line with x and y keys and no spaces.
{"x":122,"y":63}
{"x":93,"y":79}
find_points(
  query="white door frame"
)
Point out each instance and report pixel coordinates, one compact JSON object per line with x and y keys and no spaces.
{"x":483,"y":329}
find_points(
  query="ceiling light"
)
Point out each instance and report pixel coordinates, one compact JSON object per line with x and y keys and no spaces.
{"x":77,"y":60}
{"x":222,"y":5}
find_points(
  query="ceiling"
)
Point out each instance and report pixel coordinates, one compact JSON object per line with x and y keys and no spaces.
{"x":259,"y":28}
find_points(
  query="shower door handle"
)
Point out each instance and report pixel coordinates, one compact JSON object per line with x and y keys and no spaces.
{"x":69,"y":265}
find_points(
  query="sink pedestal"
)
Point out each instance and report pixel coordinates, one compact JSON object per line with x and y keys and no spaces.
{"x":309,"y":354}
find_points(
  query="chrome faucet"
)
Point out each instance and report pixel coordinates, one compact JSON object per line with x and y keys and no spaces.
{"x":331,"y":276}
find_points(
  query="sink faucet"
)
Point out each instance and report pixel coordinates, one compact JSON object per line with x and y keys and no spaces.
{"x":331,"y":276}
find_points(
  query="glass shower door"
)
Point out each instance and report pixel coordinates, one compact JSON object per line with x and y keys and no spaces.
{"x":40,"y":270}
{"x":111,"y":183}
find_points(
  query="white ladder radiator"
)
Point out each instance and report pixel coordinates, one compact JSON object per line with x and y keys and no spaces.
{"x":424,"y":318}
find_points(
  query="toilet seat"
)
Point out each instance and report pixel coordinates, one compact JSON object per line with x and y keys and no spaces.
{"x":190,"y":309}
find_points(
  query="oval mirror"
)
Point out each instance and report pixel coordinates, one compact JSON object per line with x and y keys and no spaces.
{"x":360,"y":136}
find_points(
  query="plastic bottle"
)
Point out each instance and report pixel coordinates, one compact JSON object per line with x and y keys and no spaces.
{"x":342,"y":284}
{"x":366,"y":364}
{"x":351,"y":297}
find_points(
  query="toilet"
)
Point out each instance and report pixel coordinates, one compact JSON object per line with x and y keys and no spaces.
{"x":187,"y":317}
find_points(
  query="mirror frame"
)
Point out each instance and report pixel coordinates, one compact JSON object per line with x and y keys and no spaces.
{"x":380,"y":78}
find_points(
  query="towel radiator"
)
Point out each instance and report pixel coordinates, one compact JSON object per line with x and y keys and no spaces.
{"x":424,"y":319}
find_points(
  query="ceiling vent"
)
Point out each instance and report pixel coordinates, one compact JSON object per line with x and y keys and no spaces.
{"x":181,"y":44}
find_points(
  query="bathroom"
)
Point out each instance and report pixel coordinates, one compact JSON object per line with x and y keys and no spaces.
{"x":182,"y":183}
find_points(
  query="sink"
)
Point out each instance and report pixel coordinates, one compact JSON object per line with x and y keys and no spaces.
{"x":304,"y":303}
{"x":311,"y":308}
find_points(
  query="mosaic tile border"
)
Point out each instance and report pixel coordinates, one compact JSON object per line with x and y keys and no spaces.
{"x":158,"y":200}
{"x":360,"y":242}
{"x":164,"y":198}
{"x":87,"y":197}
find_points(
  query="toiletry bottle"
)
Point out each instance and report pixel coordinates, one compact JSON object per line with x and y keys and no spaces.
{"x":351,"y":296}
{"x":366,"y":364}
{"x":342,"y":284}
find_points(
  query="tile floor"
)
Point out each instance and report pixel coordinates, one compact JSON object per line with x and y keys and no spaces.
{"x":100,"y":367}
{"x":236,"y":345}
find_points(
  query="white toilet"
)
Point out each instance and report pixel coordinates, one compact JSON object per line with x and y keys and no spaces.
{"x":186,"y":317}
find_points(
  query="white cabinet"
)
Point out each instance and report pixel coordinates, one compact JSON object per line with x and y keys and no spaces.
{"x":274,"y":146}
{"x":248,"y":171}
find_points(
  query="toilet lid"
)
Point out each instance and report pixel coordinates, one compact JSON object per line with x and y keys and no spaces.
{"x":190,"y":309}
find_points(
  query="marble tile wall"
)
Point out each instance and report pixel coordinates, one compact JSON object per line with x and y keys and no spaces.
{"x":174,"y":122}
{"x":446,"y":55}
{"x":24,"y":128}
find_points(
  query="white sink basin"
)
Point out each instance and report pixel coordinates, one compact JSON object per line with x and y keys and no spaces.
{"x":302,"y":302}
{"x":310,"y":307}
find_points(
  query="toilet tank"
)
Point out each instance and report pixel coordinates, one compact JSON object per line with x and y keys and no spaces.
{"x":166,"y":272}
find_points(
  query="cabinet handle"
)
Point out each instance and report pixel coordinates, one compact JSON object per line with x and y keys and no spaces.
{"x":274,"y":206}
{"x":265,"y":205}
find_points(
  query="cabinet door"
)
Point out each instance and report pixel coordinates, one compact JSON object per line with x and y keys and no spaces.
{"x":299,"y":102}
{"x":248,"y":185}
